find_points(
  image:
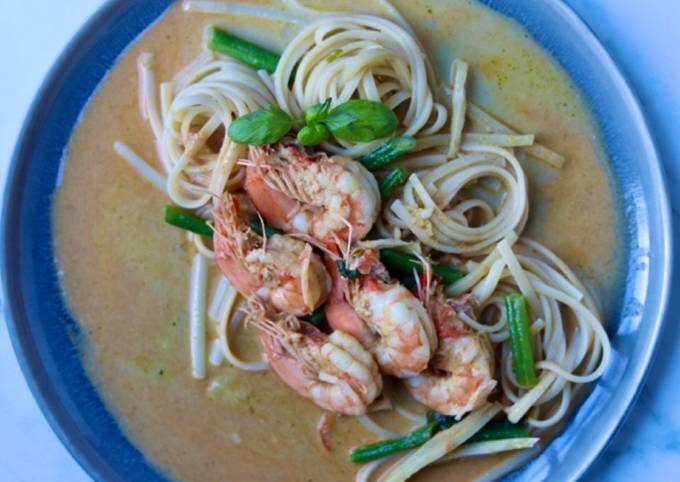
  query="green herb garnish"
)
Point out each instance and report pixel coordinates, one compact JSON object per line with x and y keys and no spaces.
{"x":313,"y":134}
{"x":361,"y":120}
{"x":336,"y":54}
{"x":355,"y":121}
{"x":318,"y":112}
{"x":261,"y":127}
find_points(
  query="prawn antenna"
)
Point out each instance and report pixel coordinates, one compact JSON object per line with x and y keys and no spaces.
{"x":314,"y":242}
{"x":350,"y":233}
{"x":424,"y":292}
{"x":264,"y":231}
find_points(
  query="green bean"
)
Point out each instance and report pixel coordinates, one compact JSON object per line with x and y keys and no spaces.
{"x":392,"y":181}
{"x":495,"y":430}
{"x":350,"y":274}
{"x":387,"y":152}
{"x":256,"y":225}
{"x":182,"y":219}
{"x":517,"y":319}
{"x":248,"y":53}
{"x":316,"y":317}
{"x":386,"y":448}
{"x":435,"y":423}
{"x":406,"y":280}
{"x":499,"y":431}
{"x":405,"y":262}
{"x":440,"y":420}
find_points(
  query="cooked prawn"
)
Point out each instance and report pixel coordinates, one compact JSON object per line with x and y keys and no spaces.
{"x":334,"y":371}
{"x":384,"y":316}
{"x":329,"y":198}
{"x":460,"y":376}
{"x":280,"y":270}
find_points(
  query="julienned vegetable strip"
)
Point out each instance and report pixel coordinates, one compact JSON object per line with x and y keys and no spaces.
{"x":441,"y":444}
{"x":386,"y":448}
{"x":391,"y":182}
{"x":490,"y":447}
{"x":248,"y":53}
{"x":405,"y":262}
{"x":495,"y":430}
{"x":387,"y":152}
{"x":520,"y":340}
{"x":182,"y":219}
{"x":197,"y":288}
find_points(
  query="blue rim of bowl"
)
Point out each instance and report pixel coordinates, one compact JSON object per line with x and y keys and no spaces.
{"x":40,"y":384}
{"x":25,"y":351}
{"x":656,"y":169}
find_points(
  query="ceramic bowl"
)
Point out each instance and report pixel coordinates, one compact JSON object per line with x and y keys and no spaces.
{"x":45,"y":336}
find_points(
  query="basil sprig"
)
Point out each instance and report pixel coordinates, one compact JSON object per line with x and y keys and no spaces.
{"x":361,"y":120}
{"x":356,"y":120}
{"x":313,"y":134}
{"x":261,"y":127}
{"x":318,"y":113}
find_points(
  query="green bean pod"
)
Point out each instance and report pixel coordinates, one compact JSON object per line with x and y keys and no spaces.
{"x":387,"y":152}
{"x":190,"y":222}
{"x":256,"y":225}
{"x":242,"y":50}
{"x":406,"y":263}
{"x":517,"y":319}
{"x":386,"y":448}
{"x":392,"y":181}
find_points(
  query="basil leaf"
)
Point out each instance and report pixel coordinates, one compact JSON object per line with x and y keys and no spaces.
{"x":261,"y":127}
{"x":318,"y":112}
{"x":361,"y":121}
{"x":313,"y":134}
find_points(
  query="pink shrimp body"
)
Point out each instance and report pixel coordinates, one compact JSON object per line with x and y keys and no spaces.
{"x":334,"y":371}
{"x":316,"y":195}
{"x":284,"y":272}
{"x":384,"y":316}
{"x":460,"y":377}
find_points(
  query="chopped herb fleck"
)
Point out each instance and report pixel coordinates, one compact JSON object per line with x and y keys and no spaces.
{"x":350,"y":274}
{"x":336,"y":54}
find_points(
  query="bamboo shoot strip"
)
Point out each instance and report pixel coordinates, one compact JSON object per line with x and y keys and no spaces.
{"x":459,"y":73}
{"x":442,"y":443}
{"x":197,"y":288}
{"x":538,"y":151}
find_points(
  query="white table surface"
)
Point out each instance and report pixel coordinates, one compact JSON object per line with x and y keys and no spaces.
{"x":644,"y":38}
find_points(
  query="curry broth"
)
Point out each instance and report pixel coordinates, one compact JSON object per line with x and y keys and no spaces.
{"x":125,"y":272}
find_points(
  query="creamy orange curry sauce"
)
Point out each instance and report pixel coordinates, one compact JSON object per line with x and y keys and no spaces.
{"x":125,"y":272}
